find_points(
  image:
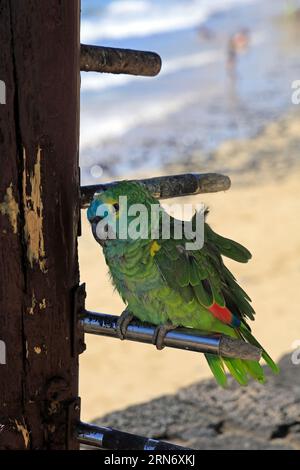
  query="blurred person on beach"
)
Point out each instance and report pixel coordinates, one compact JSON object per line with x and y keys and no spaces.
{"x":238,"y":44}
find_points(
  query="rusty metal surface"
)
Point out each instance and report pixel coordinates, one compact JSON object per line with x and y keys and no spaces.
{"x":114,"y":60}
{"x":164,"y":187}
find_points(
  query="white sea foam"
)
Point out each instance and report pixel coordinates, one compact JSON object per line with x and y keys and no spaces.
{"x":93,"y":132}
{"x":128,"y":6}
{"x":123,"y":19}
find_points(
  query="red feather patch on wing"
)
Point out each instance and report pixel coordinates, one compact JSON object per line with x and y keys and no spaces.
{"x":224,"y":315}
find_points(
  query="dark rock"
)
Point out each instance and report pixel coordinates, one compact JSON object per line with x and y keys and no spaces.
{"x":205,"y":416}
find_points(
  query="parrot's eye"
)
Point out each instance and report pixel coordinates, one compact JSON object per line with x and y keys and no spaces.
{"x":116,"y":207}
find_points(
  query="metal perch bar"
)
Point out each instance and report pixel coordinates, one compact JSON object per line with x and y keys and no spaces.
{"x":164,"y":187}
{"x":113,"y":60}
{"x":181,"y":338}
{"x":112,"y":439}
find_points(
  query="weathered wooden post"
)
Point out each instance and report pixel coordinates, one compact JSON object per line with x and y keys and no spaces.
{"x":39,"y":215}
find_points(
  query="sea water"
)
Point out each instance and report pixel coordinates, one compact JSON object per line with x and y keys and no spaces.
{"x":138,"y":123}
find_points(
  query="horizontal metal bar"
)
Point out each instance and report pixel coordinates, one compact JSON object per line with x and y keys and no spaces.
{"x":113,"y":60}
{"x":181,"y":338}
{"x":112,"y":439}
{"x":164,"y":187}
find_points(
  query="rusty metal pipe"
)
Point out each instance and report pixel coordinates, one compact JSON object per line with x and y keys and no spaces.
{"x":114,"y":60}
{"x":164,"y":187}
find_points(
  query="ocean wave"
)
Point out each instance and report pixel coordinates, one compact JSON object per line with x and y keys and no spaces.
{"x":130,"y":6}
{"x":92,"y":81}
{"x":123,"y":19}
{"x":94,"y":132}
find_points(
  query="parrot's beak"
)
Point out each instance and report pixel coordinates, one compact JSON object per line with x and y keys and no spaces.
{"x":94,"y":222}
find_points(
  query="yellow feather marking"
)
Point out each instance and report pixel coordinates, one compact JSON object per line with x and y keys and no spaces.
{"x":109,"y":200}
{"x":154,"y":248}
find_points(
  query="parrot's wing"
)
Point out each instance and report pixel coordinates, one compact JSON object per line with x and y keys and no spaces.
{"x":202,"y":275}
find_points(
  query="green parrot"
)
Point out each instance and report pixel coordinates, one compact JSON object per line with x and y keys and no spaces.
{"x":164,"y":283}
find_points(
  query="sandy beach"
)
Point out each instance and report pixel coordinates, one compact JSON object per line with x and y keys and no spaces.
{"x":261,"y":210}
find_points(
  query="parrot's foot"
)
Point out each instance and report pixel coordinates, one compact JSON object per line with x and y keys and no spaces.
{"x":160,"y":333}
{"x":122,"y":324}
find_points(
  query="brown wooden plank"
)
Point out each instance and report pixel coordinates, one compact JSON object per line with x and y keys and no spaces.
{"x":39,"y":221}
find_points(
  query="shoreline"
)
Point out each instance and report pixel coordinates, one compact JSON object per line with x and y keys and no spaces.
{"x":269,"y":155}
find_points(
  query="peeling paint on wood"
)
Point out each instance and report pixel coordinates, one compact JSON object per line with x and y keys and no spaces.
{"x":43,"y":304}
{"x":10,"y":207}
{"x":24,"y":431}
{"x":30,"y":310}
{"x":33,"y":211}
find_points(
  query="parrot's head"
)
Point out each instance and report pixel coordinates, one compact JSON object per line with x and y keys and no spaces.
{"x":115,"y":210}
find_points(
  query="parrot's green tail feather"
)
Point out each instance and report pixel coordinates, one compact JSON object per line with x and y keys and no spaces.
{"x":217,"y":367}
{"x":250,"y":338}
{"x":240,"y":369}
{"x":255,"y":370}
{"x":237,"y":369}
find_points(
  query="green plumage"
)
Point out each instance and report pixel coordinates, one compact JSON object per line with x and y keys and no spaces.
{"x":163,"y":282}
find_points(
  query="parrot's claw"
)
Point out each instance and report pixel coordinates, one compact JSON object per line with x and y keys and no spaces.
{"x":160,"y":333}
{"x":122,"y":324}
